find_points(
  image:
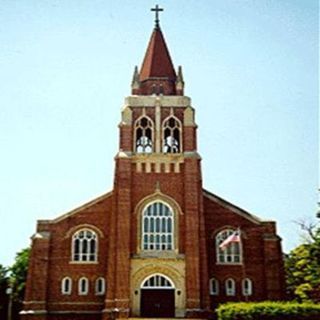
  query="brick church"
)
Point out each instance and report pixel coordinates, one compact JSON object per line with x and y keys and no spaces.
{"x":151,"y":247}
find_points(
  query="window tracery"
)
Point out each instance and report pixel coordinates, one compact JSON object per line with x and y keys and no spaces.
{"x":144,"y":135}
{"x":157,"y":227}
{"x":171,"y":135}
{"x":231,"y":253}
{"x":156,"y":282}
{"x":84,"y":246}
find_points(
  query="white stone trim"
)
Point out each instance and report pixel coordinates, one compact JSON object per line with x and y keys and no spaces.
{"x":96,"y":285}
{"x":43,"y":235}
{"x":249,"y":290}
{"x":157,"y":276}
{"x":230,"y":290}
{"x":86,"y":289}
{"x":33,"y":312}
{"x":214,"y":286}
{"x":63,"y":286}
{"x":150,"y":101}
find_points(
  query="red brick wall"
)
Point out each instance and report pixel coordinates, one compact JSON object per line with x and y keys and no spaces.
{"x":44,"y":283}
{"x":218,"y":217}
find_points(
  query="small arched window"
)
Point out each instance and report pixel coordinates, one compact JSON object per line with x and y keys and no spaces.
{"x":66,"y":285}
{"x":144,"y":135}
{"x":84,"y":246}
{"x":232,"y":252}
{"x":171,"y":135}
{"x":157,"y":227}
{"x":230,"y":287}
{"x":214,"y":286}
{"x":83,"y":286}
{"x":100,"y":286}
{"x":247,"y":287}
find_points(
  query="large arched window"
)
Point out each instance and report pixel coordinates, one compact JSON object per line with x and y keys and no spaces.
{"x":247,"y":287}
{"x":230,"y":287}
{"x":66,"y":285}
{"x":84,"y":246}
{"x":232,"y":252}
{"x":157,"y":227}
{"x":144,"y":135}
{"x":171,"y":135}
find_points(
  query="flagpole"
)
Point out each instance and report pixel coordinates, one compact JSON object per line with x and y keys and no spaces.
{"x":236,"y":236}
{"x":244,"y":273}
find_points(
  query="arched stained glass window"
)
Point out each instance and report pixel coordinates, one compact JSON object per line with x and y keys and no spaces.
{"x":84,"y":243}
{"x":157,"y":227}
{"x":232,"y":252}
{"x":144,"y":135}
{"x":171,"y":136}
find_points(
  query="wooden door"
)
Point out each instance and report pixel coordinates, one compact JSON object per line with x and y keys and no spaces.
{"x":157,"y":303}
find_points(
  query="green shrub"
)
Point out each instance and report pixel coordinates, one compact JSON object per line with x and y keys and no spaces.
{"x":269,"y":311}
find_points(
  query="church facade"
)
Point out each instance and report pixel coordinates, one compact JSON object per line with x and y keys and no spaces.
{"x":158,"y":245}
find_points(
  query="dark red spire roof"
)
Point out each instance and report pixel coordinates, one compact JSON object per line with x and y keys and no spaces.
{"x":157,"y":75}
{"x":157,"y":62}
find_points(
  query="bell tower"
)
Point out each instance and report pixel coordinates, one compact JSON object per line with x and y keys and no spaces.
{"x":157,"y":236}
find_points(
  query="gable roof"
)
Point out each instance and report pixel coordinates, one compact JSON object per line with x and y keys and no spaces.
{"x":243,"y":213}
{"x":78,"y":209}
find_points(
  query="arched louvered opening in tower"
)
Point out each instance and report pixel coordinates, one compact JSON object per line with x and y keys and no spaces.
{"x":144,"y":135}
{"x":172,"y":136}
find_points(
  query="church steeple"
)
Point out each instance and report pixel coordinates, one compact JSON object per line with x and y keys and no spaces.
{"x":157,"y":75}
{"x":157,"y":62}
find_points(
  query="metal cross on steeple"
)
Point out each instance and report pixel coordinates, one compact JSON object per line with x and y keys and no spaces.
{"x":157,"y":9}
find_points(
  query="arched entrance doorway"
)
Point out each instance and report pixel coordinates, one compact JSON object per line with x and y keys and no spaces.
{"x":157,"y":297}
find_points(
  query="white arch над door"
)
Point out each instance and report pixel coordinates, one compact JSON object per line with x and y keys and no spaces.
{"x":157,"y":281}
{"x":157,"y":297}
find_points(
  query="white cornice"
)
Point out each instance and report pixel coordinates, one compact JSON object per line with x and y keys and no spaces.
{"x":151,"y":101}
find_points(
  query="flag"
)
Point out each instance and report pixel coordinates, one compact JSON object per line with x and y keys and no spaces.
{"x":233,"y":238}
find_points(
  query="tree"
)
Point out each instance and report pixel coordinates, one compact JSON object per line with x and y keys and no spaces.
{"x":303,"y":267}
{"x":4,"y":280}
{"x":18,"y":279}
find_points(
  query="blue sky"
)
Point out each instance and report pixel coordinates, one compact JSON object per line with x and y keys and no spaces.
{"x":250,"y":67}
